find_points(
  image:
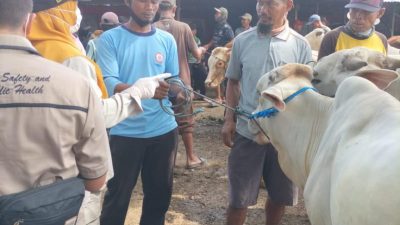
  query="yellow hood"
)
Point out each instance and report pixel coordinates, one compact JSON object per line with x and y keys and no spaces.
{"x":50,"y":34}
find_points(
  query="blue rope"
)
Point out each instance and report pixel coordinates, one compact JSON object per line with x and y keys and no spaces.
{"x":273,"y":111}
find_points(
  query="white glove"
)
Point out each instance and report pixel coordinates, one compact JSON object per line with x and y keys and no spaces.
{"x":144,"y":88}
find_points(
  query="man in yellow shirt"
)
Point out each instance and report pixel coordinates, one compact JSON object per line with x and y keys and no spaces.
{"x":359,"y":31}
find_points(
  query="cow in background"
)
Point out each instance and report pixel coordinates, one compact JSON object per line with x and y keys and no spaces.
{"x":331,"y":70}
{"x":314,"y":38}
{"x":342,"y":152}
{"x":217,"y":65}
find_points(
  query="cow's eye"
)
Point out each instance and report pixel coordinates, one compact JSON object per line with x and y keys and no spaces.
{"x":220,"y":64}
{"x":271,"y":78}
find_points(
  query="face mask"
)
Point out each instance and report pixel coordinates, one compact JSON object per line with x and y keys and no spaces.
{"x":139,"y":21}
{"x":77,"y":25}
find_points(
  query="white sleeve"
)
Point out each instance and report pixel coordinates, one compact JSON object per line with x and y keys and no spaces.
{"x":115,"y":108}
{"x":86,"y":68}
{"x":120,"y":106}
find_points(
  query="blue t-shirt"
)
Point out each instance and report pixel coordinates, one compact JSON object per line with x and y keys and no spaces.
{"x":125,"y":56}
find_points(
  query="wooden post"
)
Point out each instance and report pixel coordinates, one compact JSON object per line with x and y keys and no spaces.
{"x":393,"y":21}
{"x":178,"y":10}
{"x":296,"y":11}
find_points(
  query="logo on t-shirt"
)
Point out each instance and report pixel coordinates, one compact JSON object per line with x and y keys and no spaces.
{"x":159,"y":58}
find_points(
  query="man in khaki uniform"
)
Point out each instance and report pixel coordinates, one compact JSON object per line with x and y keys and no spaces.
{"x":52,"y":121}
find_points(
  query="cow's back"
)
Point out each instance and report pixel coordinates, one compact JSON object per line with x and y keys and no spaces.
{"x":361,"y":148}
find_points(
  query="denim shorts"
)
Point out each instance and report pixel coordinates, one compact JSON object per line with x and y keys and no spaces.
{"x":247,"y":162}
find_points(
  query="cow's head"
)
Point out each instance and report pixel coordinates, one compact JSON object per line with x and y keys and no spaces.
{"x":217,"y":64}
{"x":331,"y":70}
{"x":315,"y":37}
{"x":274,"y":87}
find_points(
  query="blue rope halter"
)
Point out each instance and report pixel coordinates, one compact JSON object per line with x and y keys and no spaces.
{"x":272,"y":111}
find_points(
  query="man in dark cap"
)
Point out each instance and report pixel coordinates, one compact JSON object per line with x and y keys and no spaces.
{"x":315,"y":22}
{"x":223,"y":32}
{"x":245,"y":21}
{"x":359,"y":31}
{"x":108,"y":21}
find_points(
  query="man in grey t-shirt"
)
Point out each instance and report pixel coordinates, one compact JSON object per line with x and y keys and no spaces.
{"x":254,"y":53}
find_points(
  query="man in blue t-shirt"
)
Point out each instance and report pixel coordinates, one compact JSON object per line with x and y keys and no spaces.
{"x":147,"y":143}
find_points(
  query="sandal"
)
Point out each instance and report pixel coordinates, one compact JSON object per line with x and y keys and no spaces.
{"x":202,"y":163}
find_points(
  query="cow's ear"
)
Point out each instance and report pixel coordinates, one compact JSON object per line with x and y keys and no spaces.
{"x":228,"y":53}
{"x":275,"y":96}
{"x":319,"y":33}
{"x":305,"y":71}
{"x":352,"y":63}
{"x":381,"y":78}
{"x":216,"y":50}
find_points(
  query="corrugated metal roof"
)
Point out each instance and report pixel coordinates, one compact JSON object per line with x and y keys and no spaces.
{"x":391,"y":0}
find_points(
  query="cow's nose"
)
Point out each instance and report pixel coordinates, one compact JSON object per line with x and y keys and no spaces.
{"x":315,"y":81}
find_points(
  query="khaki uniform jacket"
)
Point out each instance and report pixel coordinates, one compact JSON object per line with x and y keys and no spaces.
{"x":51,"y":121}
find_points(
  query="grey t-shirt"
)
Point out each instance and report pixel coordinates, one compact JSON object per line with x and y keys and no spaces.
{"x":253,"y":55}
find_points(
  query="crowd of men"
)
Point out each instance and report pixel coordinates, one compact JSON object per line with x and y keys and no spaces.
{"x":56,"y":102}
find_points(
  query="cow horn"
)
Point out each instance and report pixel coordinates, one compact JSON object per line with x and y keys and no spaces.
{"x":352,"y":63}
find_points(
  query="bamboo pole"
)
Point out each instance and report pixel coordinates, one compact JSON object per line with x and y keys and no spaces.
{"x":393,"y":21}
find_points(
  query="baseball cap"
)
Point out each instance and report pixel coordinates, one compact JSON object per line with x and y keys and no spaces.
{"x":222,"y":10}
{"x":40,"y":5}
{"x":247,"y":16}
{"x":313,"y":18}
{"x":172,"y":2}
{"x":367,"y":5}
{"x":109,"y":18}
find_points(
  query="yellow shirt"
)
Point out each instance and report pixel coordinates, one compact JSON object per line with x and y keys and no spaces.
{"x":374,"y":42}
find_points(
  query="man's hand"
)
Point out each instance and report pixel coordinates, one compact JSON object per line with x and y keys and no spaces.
{"x":150,"y":87}
{"x":162,"y":90}
{"x":228,"y":131}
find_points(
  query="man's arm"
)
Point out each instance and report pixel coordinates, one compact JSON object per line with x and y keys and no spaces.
{"x":232,"y":100}
{"x":229,"y":34}
{"x":328,"y":44}
{"x":196,"y":51}
{"x":94,"y":185}
{"x":208,"y":45}
{"x":384,"y":40}
{"x":233,"y":73}
{"x":92,"y":150}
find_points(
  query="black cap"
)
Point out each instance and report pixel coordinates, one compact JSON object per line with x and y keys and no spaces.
{"x":40,"y":5}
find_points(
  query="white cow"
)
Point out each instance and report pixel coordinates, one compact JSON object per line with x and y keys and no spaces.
{"x":331,"y":70}
{"x":217,"y":65}
{"x":343,"y":152}
{"x":314,"y":38}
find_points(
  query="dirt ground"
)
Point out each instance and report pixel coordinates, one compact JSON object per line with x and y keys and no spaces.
{"x":200,"y":195}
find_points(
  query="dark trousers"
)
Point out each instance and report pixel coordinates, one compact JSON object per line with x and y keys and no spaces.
{"x":154,"y":159}
{"x":198,"y":74}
